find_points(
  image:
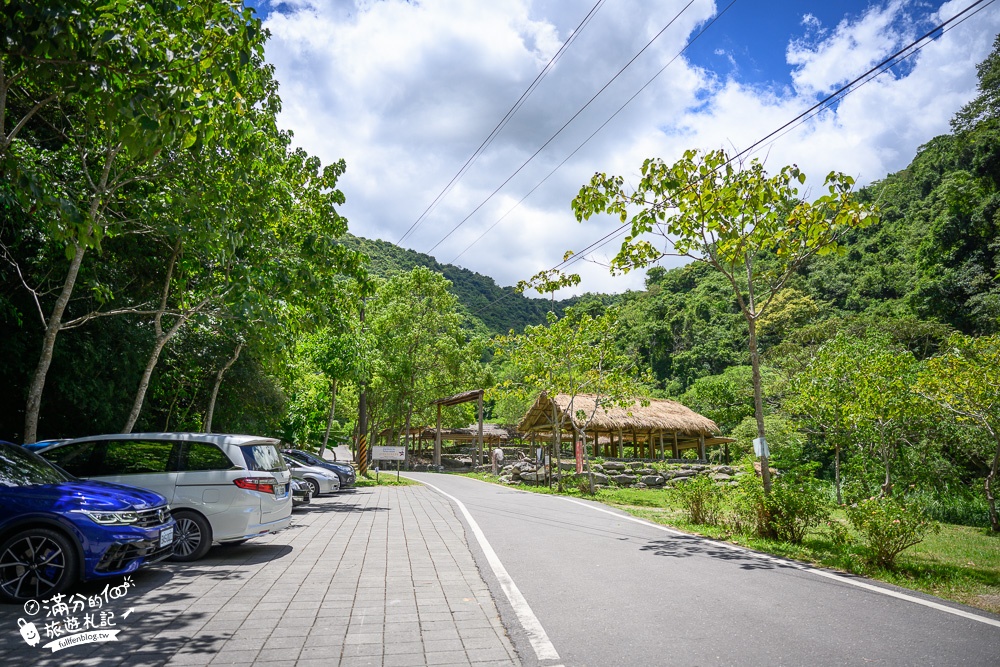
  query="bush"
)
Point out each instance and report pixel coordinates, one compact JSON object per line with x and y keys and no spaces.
{"x":797,"y":502}
{"x":702,"y":499}
{"x":888,"y":526}
{"x":750,"y":513}
{"x":795,"y":505}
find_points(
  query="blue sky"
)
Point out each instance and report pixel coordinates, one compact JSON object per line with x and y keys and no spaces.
{"x":406,"y":91}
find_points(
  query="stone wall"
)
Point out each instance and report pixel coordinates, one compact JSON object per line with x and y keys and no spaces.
{"x":631,"y":474}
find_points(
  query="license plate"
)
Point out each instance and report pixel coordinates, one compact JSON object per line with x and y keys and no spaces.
{"x":281,"y":490}
{"x":166,"y":537}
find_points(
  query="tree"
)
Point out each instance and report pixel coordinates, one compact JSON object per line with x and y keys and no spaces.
{"x":965,"y":380}
{"x":118,"y":84}
{"x":573,"y":355}
{"x":752,"y":228}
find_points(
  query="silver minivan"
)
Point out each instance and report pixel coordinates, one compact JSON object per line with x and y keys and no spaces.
{"x":221,"y":488}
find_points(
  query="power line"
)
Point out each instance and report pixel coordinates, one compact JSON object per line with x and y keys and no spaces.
{"x":900,"y":55}
{"x":560,"y":130}
{"x":503,"y":121}
{"x":601,"y":127}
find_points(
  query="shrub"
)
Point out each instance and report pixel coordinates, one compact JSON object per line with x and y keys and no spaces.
{"x":750,"y":514}
{"x":795,"y":505}
{"x":888,"y":526}
{"x":797,"y":502}
{"x":701,"y":499}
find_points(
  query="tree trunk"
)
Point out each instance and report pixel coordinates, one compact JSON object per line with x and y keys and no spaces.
{"x":329,"y":417}
{"x":836,"y":471}
{"x":991,"y":502}
{"x":586,"y":459}
{"x":758,"y":400}
{"x":407,"y":439}
{"x":52,"y":327}
{"x":215,"y":388}
{"x":161,"y":340}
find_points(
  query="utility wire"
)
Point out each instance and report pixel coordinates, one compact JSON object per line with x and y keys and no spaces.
{"x":843,"y":91}
{"x":503,"y":121}
{"x":560,"y":130}
{"x":601,"y":127}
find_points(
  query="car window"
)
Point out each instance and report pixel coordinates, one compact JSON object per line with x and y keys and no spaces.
{"x":306,"y":456}
{"x":205,"y":456}
{"x":136,"y":457}
{"x":77,"y":459}
{"x":265,"y":458}
{"x":19,"y":467}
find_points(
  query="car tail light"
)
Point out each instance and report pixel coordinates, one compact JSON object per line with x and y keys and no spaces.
{"x":262,"y":484}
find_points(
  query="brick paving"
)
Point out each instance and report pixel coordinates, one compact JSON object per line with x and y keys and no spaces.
{"x":379,"y":576}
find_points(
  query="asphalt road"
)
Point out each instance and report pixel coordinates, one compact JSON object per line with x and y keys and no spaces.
{"x":607,"y":589}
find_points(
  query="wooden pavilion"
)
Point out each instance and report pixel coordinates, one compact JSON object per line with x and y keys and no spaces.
{"x":658,"y":428}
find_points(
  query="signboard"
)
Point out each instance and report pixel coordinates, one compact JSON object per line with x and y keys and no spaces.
{"x":384,"y":453}
{"x":760,"y":447}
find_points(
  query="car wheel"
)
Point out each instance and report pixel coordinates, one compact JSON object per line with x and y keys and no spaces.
{"x":35,"y":564}
{"x":192,"y":537}
{"x":313,"y":486}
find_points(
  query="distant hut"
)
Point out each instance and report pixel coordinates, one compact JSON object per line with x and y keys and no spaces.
{"x":658,"y":430}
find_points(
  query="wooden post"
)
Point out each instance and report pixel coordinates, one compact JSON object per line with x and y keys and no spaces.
{"x":437,"y":439}
{"x":676,"y":452}
{"x":479,"y":442}
{"x":701,"y":447}
{"x":661,"y":445}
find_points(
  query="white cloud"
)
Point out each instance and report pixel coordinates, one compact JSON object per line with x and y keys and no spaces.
{"x":405,"y":92}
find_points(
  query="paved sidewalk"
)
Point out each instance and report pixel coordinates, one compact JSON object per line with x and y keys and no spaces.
{"x":379,"y":576}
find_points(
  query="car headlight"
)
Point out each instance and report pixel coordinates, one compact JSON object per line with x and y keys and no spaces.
{"x":112,"y":518}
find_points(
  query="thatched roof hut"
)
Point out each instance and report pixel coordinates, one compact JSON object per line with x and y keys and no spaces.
{"x":646,"y":423}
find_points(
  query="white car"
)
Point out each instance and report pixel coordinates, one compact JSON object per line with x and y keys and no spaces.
{"x":221,"y":488}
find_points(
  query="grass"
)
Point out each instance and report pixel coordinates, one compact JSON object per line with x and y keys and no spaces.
{"x":384,"y":479}
{"x":959,"y":563}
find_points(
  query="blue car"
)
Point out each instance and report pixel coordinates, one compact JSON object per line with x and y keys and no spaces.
{"x":344,"y":472}
{"x":56,"y":530}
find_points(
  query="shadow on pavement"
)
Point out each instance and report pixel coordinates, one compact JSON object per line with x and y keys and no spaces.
{"x":685,"y":547}
{"x":152,"y":616}
{"x":336,"y":507}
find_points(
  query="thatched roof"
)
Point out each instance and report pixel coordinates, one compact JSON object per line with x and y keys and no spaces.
{"x":660,"y":415}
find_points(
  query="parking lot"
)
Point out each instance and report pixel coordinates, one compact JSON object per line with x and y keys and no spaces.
{"x":373,"y":576}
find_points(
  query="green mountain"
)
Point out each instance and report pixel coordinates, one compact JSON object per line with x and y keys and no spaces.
{"x":499,"y":308}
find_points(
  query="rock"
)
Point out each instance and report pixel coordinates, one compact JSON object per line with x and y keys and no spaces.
{"x":640,"y":485}
{"x":614,"y":465}
{"x":652,"y":480}
{"x":597,"y":467}
{"x":567,"y":465}
{"x":721,"y":477}
{"x":599,"y":478}
{"x":725,"y":470}
{"x":679,"y":474}
{"x":645,"y":471}
{"x":623,"y":480}
{"x":532,"y":476}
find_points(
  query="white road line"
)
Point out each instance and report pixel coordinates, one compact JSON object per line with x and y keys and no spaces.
{"x":544,"y":649}
{"x":805,"y":568}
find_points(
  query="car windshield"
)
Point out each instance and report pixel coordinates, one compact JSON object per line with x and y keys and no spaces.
{"x":264,"y":458}
{"x":19,"y":467}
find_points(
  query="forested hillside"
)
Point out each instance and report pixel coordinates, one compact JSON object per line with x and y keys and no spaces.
{"x":499,"y":308}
